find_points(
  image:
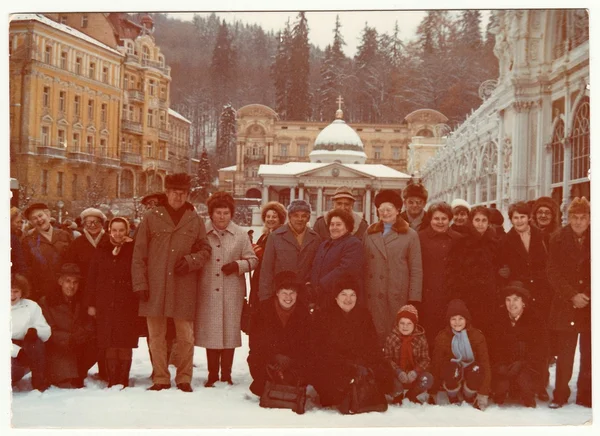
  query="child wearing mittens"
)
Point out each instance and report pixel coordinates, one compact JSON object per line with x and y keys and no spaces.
{"x":407,"y":349}
{"x":460,"y":359}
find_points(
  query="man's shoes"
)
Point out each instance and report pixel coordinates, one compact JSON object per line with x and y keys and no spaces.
{"x":159,"y":387}
{"x":185,"y":387}
{"x":543,"y":395}
{"x":555,"y":405}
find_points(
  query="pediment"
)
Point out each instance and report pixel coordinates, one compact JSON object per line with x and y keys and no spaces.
{"x":91,"y":129}
{"x":78,"y":126}
{"x":63,"y":122}
{"x":104,"y":132}
{"x":336,"y":170}
{"x":47,"y":119}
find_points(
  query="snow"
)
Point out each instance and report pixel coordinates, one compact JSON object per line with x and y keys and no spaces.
{"x":178,"y":115}
{"x":338,"y":133}
{"x":290,"y":168}
{"x":378,"y":170}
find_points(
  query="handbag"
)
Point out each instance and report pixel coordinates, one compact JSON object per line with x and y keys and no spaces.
{"x":246,"y":319}
{"x":363,"y":396}
{"x":282,"y":396}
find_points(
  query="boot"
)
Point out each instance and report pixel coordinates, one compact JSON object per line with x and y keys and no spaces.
{"x":123,"y":373}
{"x":213,"y":359}
{"x":453,"y":394}
{"x":468,"y":394}
{"x":226,"y":364}
{"x":112,"y":371}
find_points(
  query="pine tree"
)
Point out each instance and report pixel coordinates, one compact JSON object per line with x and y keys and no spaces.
{"x":226,"y":137}
{"x":299,"y":96}
{"x":223,"y":67}
{"x":469,"y":29}
{"x":280,"y":72}
{"x":202,"y":182}
{"x":370,"y":77}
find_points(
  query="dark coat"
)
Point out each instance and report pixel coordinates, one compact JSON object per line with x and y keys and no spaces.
{"x":336,"y":259}
{"x":72,"y":330}
{"x":360,"y":226}
{"x":529,"y":267}
{"x":259,"y":250}
{"x":282,"y":253}
{"x":110,"y":291}
{"x":569,"y":272}
{"x":438,"y":251}
{"x":44,"y":259}
{"x":342,"y":340}
{"x":442,"y":353}
{"x":17,"y":257}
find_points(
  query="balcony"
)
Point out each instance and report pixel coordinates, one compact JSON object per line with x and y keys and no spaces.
{"x":129,"y":57}
{"x":163,"y":104}
{"x":258,"y":159}
{"x":130,"y":158}
{"x":79,"y":156}
{"x":52,"y":151}
{"x":107,"y":161}
{"x":156,"y":65}
{"x":164,"y":134}
{"x":136,"y":95}
{"x":131,"y":126}
{"x":157,"y":164}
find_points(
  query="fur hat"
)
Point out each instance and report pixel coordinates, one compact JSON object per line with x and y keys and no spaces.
{"x":220,"y":199}
{"x":458,"y":307}
{"x":345,"y":283}
{"x":286,"y":280}
{"x":180,"y":181}
{"x":343,"y":192}
{"x":157,"y":196}
{"x":277,"y":207}
{"x":496,"y":217}
{"x":516,"y":288}
{"x":34,"y":206}
{"x":579,"y":206}
{"x":90,"y":211}
{"x":298,"y":206}
{"x":545,"y":202}
{"x":388,"y":196}
{"x":408,"y":311}
{"x":415,"y":190}
{"x":69,"y":269}
{"x":459,"y":202}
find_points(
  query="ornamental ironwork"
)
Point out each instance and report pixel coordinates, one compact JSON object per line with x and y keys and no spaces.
{"x":486,"y":89}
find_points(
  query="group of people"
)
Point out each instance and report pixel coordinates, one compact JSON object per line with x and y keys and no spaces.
{"x":410,"y":302}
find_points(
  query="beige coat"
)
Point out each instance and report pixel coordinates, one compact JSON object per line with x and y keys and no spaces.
{"x":159,"y":244}
{"x":221,"y":297}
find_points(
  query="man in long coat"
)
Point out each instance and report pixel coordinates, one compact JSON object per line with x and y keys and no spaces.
{"x":170,"y":248}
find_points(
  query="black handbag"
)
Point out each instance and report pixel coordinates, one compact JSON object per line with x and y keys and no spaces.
{"x":363,"y":396}
{"x":281,"y":396}
{"x":246,"y":319}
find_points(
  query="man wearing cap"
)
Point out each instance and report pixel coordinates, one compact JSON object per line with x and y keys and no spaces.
{"x":460,"y":212}
{"x":342,"y":199}
{"x":44,"y":249}
{"x":292,"y":247}
{"x":170,"y":248}
{"x":415,"y":197}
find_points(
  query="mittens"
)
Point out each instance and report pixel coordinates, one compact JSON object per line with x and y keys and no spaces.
{"x":361,"y":371}
{"x":282,"y":361}
{"x":230,"y":268}
{"x":412,"y":376}
{"x":402,"y":377}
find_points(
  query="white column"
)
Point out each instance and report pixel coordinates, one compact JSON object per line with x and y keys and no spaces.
{"x":520,"y":144}
{"x":566,"y":191}
{"x":478,"y":190}
{"x":301,"y":193}
{"x":292,"y":193}
{"x":544,"y":134}
{"x":488,"y":180}
{"x":367,"y":205}
{"x":265,"y":194}
{"x":500,"y":162}
{"x":320,"y":201}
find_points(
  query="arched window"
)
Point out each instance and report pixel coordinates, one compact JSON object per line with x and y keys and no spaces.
{"x":126,"y":184}
{"x":558,"y":152}
{"x":145,"y":53}
{"x":425,"y":133}
{"x":580,"y":141}
{"x":560,"y":34}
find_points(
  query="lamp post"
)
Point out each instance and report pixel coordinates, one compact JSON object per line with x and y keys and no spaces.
{"x":60,"y":204}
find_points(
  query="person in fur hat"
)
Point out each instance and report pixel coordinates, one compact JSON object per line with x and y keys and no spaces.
{"x":415,"y":198}
{"x":394,"y":271}
{"x":460,"y":359}
{"x":545,"y":216}
{"x":408,"y":352}
{"x":344,"y":199}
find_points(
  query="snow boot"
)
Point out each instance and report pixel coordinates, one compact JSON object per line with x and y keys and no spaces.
{"x":213,"y":361}
{"x":226,"y":364}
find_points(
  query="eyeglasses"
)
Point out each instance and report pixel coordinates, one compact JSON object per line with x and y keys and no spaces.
{"x":92,"y":223}
{"x":386,"y":209}
{"x":542,"y":212}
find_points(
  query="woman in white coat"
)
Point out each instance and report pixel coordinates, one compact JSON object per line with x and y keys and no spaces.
{"x":222,"y":288}
{"x":29,"y":333}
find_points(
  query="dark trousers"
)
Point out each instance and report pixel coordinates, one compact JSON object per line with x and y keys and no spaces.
{"x":523,"y":381}
{"x":567,"y":343}
{"x":35,"y":353}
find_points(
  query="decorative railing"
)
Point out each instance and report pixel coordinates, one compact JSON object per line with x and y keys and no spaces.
{"x":131,"y":158}
{"x":58,"y":152}
{"x":80,"y":156}
{"x":131,"y":126}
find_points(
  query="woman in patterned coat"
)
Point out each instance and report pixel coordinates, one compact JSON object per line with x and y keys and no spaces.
{"x":222,"y":288}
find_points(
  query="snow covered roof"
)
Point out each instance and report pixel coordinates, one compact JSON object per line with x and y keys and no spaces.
{"x":339,"y":135}
{"x":178,"y":115}
{"x":63,"y":28}
{"x":231,"y":168}
{"x":378,"y":170}
{"x":289,"y":168}
{"x":337,"y":152}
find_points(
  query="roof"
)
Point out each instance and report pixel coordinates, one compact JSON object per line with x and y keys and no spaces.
{"x":294,"y":168}
{"x":63,"y":28}
{"x":338,"y":134}
{"x":334,"y":153}
{"x":178,"y":115}
{"x":231,"y":168}
{"x":289,"y":168}
{"x":378,"y":170}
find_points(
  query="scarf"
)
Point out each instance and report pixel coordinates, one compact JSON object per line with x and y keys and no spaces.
{"x":387,"y":227}
{"x":91,"y":239}
{"x":284,"y":315}
{"x":407,"y":362}
{"x":461,"y":348}
{"x":118,"y":245}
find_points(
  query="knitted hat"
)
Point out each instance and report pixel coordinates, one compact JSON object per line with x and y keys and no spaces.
{"x":181,"y":181}
{"x":459,"y":202}
{"x":516,"y":288}
{"x":458,"y":307}
{"x":298,"y":206}
{"x":90,"y":211}
{"x":579,"y":206}
{"x":220,"y":199}
{"x":34,"y":206}
{"x":69,"y":269}
{"x":275,"y":206}
{"x":408,"y":311}
{"x":415,"y":190}
{"x":286,"y":280}
{"x":343,"y":192}
{"x":388,"y":196}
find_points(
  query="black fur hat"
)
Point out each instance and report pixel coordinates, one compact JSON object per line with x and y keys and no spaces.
{"x":388,"y":196}
{"x":180,"y":181}
{"x":415,"y":190}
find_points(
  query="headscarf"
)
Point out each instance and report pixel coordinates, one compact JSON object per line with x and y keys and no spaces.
{"x":116,"y":244}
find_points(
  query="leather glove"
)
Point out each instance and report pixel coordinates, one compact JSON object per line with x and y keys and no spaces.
{"x":182,"y":267}
{"x":31,"y":335}
{"x":402,"y":377}
{"x":143,"y":295}
{"x":230,"y":268}
{"x":481,"y":402}
{"x":504,"y":271}
{"x":412,"y":376}
{"x":282,"y":361}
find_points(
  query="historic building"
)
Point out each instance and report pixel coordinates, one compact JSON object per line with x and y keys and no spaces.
{"x":89,"y":109}
{"x":531,"y":135}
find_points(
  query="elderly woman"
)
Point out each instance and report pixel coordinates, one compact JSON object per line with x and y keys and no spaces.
{"x":394,"y":272}
{"x":30,"y":331}
{"x":222,"y":288}
{"x":112,"y":301}
{"x":518,"y":348}
{"x":339,"y":257}
{"x":280,"y":336}
{"x":346,"y":347}
{"x":438,"y":246}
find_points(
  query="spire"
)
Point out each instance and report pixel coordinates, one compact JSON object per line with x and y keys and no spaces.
{"x":339,"y":115}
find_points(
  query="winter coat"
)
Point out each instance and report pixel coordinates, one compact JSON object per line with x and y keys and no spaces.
{"x":360,"y":226}
{"x":420,"y":347}
{"x":17,"y":256}
{"x":425,"y":221}
{"x":393,"y":272}
{"x":221,"y":297}
{"x":110,"y":291}
{"x":72,"y":329}
{"x":159,"y":244}
{"x":438,"y":251}
{"x":44,"y":259}
{"x":24,"y":315}
{"x":569,"y":272}
{"x":526,"y":341}
{"x":282,"y":253}
{"x":336,"y":259}
{"x":259,"y":250}
{"x":529,"y":267}
{"x":442,"y":353}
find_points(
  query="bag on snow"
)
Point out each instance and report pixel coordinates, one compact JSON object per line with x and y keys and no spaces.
{"x":363,"y":396}
{"x":281,"y":396}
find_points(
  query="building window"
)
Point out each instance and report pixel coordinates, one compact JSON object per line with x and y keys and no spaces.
{"x":150,"y":120}
{"x":59,"y":183}
{"x":88,"y":181}
{"x":63,"y":19}
{"x":78,"y":63}
{"x":163,"y":93}
{"x":92,"y":71}
{"x":152,"y":87}
{"x":580,"y":142}
{"x":62,"y":101}
{"x":377,"y":152}
{"x":77,"y":105}
{"x":89,"y":144}
{"x":129,"y":147}
{"x":284,"y":150}
{"x":91,"y":110}
{"x":149,"y":149}
{"x":46,"y":97}
{"x":45,"y":135}
{"x":302,"y":150}
{"x":103,"y":112}
{"x":62,"y":142}
{"x":84,"y":20}
{"x":396,"y":153}
{"x":74,"y":187}
{"x":48,"y":54}
{"x":161,"y":61}
{"x":76,"y":142}
{"x":131,"y":118}
{"x":44,"y":182}
{"x":103,"y":148}
{"x":145,"y":53}
{"x":558,"y":152}
{"x":129,"y":48}
{"x":64,"y":57}
{"x":105,"y":74}
{"x":126,"y":82}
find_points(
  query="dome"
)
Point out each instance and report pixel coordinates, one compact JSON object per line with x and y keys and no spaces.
{"x":338,"y":142}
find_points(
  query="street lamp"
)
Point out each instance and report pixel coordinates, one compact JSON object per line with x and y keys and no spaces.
{"x":60,"y":204}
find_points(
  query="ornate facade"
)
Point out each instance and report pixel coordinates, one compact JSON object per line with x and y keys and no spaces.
{"x":531,"y":135}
